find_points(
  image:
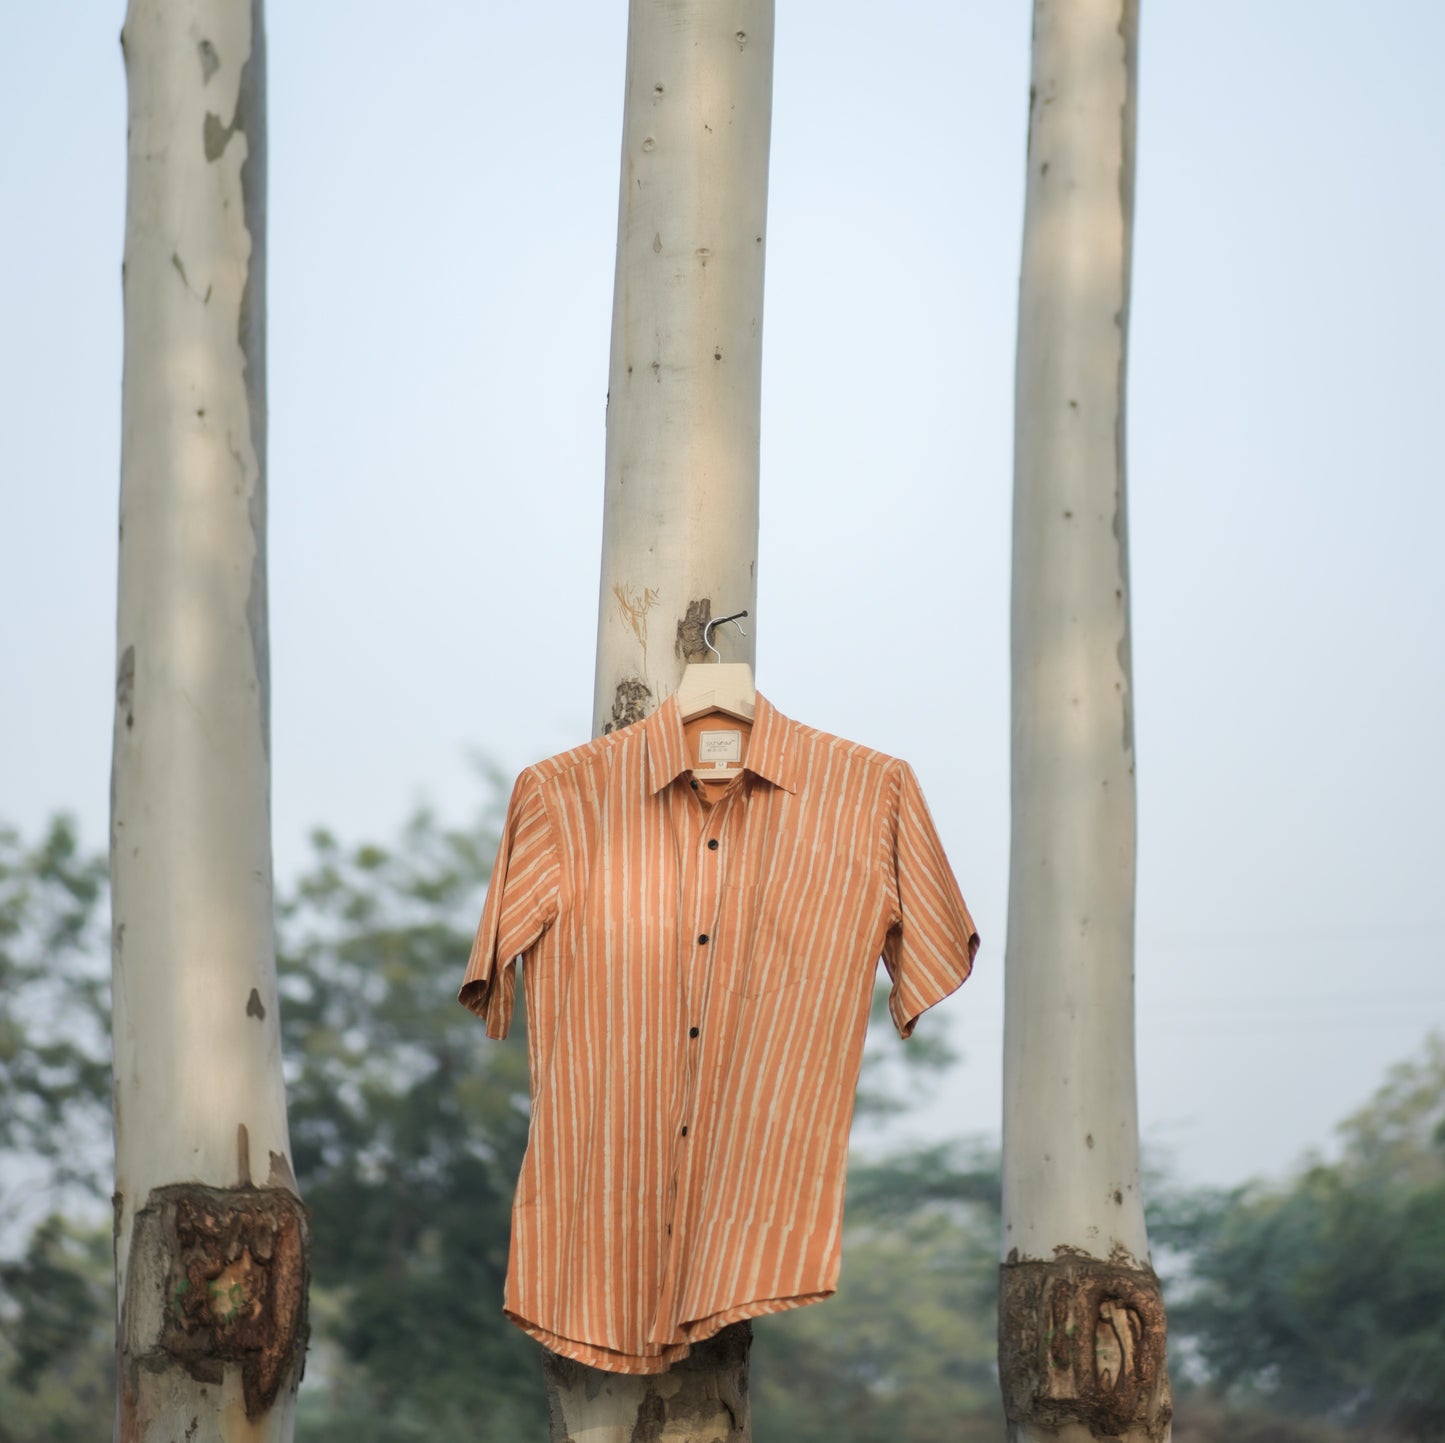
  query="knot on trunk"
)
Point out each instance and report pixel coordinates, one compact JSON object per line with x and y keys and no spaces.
{"x":219,"y":1276}
{"x":1083,"y":1342}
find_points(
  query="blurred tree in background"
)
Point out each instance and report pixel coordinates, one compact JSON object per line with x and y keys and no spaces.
{"x":1311,"y":1309}
{"x":57,"y":1336}
{"x":54,"y":1013}
{"x":1324,"y":1296}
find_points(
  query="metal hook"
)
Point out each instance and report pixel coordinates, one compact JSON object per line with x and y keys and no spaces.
{"x":718,"y":621}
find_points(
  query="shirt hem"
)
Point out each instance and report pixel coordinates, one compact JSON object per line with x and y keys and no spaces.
{"x":659,"y":1357}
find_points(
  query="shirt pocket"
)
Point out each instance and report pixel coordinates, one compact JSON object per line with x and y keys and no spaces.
{"x":756,"y":955}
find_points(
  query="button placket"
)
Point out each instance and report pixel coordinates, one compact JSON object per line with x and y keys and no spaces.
{"x":701,"y":857}
{"x":702,"y":886}
{"x":701,"y":890}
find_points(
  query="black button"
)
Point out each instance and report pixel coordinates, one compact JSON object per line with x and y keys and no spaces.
{"x":712,"y":845}
{"x":702,"y":939}
{"x":692,"y":1031}
{"x":684,"y":1129}
{"x":693,"y":784}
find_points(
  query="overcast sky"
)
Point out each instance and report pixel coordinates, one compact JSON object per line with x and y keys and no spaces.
{"x":443,"y":200}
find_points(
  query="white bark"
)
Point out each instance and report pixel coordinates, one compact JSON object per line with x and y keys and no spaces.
{"x":1071,"y":1152}
{"x":198,"y":1086}
{"x":684,"y":384}
{"x":1071,"y":1119}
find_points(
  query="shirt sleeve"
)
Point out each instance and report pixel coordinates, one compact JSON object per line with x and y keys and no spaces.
{"x":522,"y":900}
{"x":931,"y":940}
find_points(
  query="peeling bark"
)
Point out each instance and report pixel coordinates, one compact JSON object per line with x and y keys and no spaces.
{"x":691,"y":645}
{"x":629,"y":704}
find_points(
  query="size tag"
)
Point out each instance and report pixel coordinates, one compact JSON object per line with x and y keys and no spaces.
{"x":716,"y":748}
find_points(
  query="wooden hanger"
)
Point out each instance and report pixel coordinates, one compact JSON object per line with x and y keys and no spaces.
{"x":725,"y":686}
{"x":719,"y":686}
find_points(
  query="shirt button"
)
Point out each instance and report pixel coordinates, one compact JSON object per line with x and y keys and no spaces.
{"x":712,"y":845}
{"x":702,"y":939}
{"x":692,"y":1031}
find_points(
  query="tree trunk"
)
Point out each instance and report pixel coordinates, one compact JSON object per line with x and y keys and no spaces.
{"x":702,"y":1399}
{"x":1081,"y":1326}
{"x":680,"y":521}
{"x":210,"y":1238}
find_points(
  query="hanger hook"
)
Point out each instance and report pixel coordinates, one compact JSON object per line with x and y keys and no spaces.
{"x":718,"y":621}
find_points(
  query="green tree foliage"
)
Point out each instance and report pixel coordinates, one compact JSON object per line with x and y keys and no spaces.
{"x":1325,"y":1296}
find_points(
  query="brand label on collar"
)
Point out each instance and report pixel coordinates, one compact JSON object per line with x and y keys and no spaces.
{"x":719,"y":747}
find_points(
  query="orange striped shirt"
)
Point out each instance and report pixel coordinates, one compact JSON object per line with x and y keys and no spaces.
{"x":698,"y":966}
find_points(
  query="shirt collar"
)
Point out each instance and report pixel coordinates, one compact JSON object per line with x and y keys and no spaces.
{"x":769,"y":753}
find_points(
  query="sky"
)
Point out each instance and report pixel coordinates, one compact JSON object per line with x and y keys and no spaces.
{"x":442,"y":224}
